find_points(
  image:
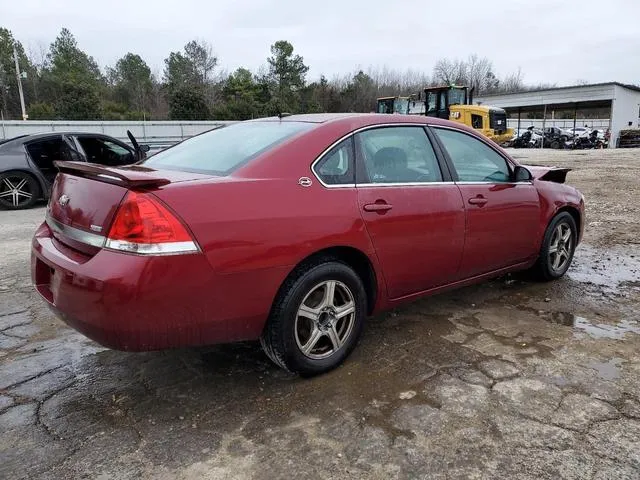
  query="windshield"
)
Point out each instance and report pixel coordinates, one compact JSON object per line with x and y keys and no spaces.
{"x":456,"y":96}
{"x":221,"y":151}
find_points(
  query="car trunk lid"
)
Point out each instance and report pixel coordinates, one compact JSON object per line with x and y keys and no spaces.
{"x":85,"y":198}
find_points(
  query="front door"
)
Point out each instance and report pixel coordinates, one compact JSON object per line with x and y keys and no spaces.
{"x":503,"y":216}
{"x":415,"y":219}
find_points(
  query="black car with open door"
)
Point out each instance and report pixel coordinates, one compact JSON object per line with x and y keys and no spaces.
{"x":27,"y":167}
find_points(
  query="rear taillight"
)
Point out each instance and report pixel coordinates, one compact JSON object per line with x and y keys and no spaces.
{"x":143,"y":225}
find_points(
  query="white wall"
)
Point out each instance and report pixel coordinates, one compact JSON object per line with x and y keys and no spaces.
{"x":587,"y":93}
{"x":160,"y":134}
{"x":625,"y":108}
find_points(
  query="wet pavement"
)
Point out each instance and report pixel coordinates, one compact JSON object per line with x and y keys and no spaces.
{"x":508,"y":379}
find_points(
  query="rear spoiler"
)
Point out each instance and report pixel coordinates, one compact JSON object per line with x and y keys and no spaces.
{"x":131,"y":176}
{"x":549,"y":174}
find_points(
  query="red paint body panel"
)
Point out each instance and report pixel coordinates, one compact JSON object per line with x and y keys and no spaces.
{"x":420,"y":241}
{"x":501,"y":232}
{"x":254,"y":226}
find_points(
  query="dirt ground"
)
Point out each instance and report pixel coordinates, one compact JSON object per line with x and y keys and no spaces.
{"x":508,"y":379}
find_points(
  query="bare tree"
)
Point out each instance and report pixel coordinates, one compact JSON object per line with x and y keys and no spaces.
{"x":479,"y":73}
{"x":512,"y":82}
{"x":450,"y":71}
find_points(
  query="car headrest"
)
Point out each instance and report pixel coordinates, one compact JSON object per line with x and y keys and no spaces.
{"x":390,"y":157}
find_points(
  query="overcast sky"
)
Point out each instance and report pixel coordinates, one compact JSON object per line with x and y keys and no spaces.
{"x":551,"y":41}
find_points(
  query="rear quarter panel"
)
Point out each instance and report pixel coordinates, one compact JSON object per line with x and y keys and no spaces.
{"x":247,"y":225}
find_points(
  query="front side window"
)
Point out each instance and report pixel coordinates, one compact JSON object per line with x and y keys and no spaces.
{"x":473,"y":160}
{"x":223,"y":150}
{"x":399,"y":155}
{"x":336,"y":167}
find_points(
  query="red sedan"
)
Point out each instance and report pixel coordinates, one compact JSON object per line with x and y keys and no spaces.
{"x":293,"y":230}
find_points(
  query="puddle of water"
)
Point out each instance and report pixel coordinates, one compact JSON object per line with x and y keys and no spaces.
{"x":595,"y":330}
{"x":608,"y":370}
{"x":608,"y":269}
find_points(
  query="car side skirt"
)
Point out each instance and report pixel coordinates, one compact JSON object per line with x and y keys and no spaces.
{"x":392,"y":303}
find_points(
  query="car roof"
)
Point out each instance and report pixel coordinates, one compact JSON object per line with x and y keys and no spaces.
{"x":360,"y":119}
{"x":37,"y":136}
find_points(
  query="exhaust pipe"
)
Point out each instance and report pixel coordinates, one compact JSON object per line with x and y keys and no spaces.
{"x":471,"y":95}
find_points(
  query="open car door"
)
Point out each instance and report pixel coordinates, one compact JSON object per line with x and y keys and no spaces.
{"x":141,"y":150}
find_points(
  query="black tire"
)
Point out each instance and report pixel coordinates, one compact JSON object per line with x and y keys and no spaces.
{"x":545,"y":268}
{"x":27,"y":184}
{"x":555,"y":144}
{"x":285,"y":327}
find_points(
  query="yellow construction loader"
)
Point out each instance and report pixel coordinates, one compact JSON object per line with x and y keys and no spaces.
{"x":452,"y":102}
{"x":455,"y":102}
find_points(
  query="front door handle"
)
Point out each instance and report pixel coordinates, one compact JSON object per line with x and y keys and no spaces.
{"x":377,"y":207}
{"x":479,"y":200}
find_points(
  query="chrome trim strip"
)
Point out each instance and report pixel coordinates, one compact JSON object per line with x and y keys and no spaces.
{"x":495,"y":183}
{"x":404,"y":184}
{"x":75,"y":233}
{"x":344,"y":137}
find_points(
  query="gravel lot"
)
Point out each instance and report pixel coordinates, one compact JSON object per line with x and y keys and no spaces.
{"x":509,"y":379}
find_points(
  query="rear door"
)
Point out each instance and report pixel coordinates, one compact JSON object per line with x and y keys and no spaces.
{"x":44,"y":151}
{"x":413,"y":213}
{"x":502,"y":215}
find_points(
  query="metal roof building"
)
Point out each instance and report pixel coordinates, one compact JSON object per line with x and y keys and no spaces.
{"x":622,"y":102}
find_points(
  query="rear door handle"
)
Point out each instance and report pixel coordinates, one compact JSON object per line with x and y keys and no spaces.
{"x":377,"y":207}
{"x":479,"y":200}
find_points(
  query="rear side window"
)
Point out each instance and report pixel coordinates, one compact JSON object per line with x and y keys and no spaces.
{"x":336,"y":167}
{"x":223,"y":150}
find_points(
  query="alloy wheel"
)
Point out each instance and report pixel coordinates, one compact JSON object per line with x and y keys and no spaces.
{"x":325,"y":319}
{"x":561,"y":247}
{"x":15,"y":190}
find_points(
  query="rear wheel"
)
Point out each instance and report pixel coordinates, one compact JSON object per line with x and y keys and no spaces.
{"x":558,"y":247}
{"x":18,"y":190}
{"x":317,"y":318}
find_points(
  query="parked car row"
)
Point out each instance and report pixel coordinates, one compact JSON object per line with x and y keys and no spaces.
{"x":559,"y":138}
{"x":27,"y":167}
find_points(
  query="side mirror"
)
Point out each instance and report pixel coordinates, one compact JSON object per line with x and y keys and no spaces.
{"x":521,"y":174}
{"x":145,"y":148}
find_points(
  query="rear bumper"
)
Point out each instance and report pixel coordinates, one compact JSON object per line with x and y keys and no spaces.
{"x":137,"y":303}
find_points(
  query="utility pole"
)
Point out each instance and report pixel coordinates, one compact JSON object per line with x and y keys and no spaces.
{"x":19,"y":79}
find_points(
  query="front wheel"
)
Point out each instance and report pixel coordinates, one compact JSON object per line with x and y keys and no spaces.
{"x":558,"y":246}
{"x":317,"y":318}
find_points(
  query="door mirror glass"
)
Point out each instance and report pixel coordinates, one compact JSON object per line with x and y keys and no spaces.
{"x":521,"y":174}
{"x":145,"y":148}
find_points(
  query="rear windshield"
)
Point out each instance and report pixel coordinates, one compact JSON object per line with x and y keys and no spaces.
{"x":221,"y":151}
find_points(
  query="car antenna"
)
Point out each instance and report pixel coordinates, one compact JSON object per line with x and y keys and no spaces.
{"x":281,"y":114}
